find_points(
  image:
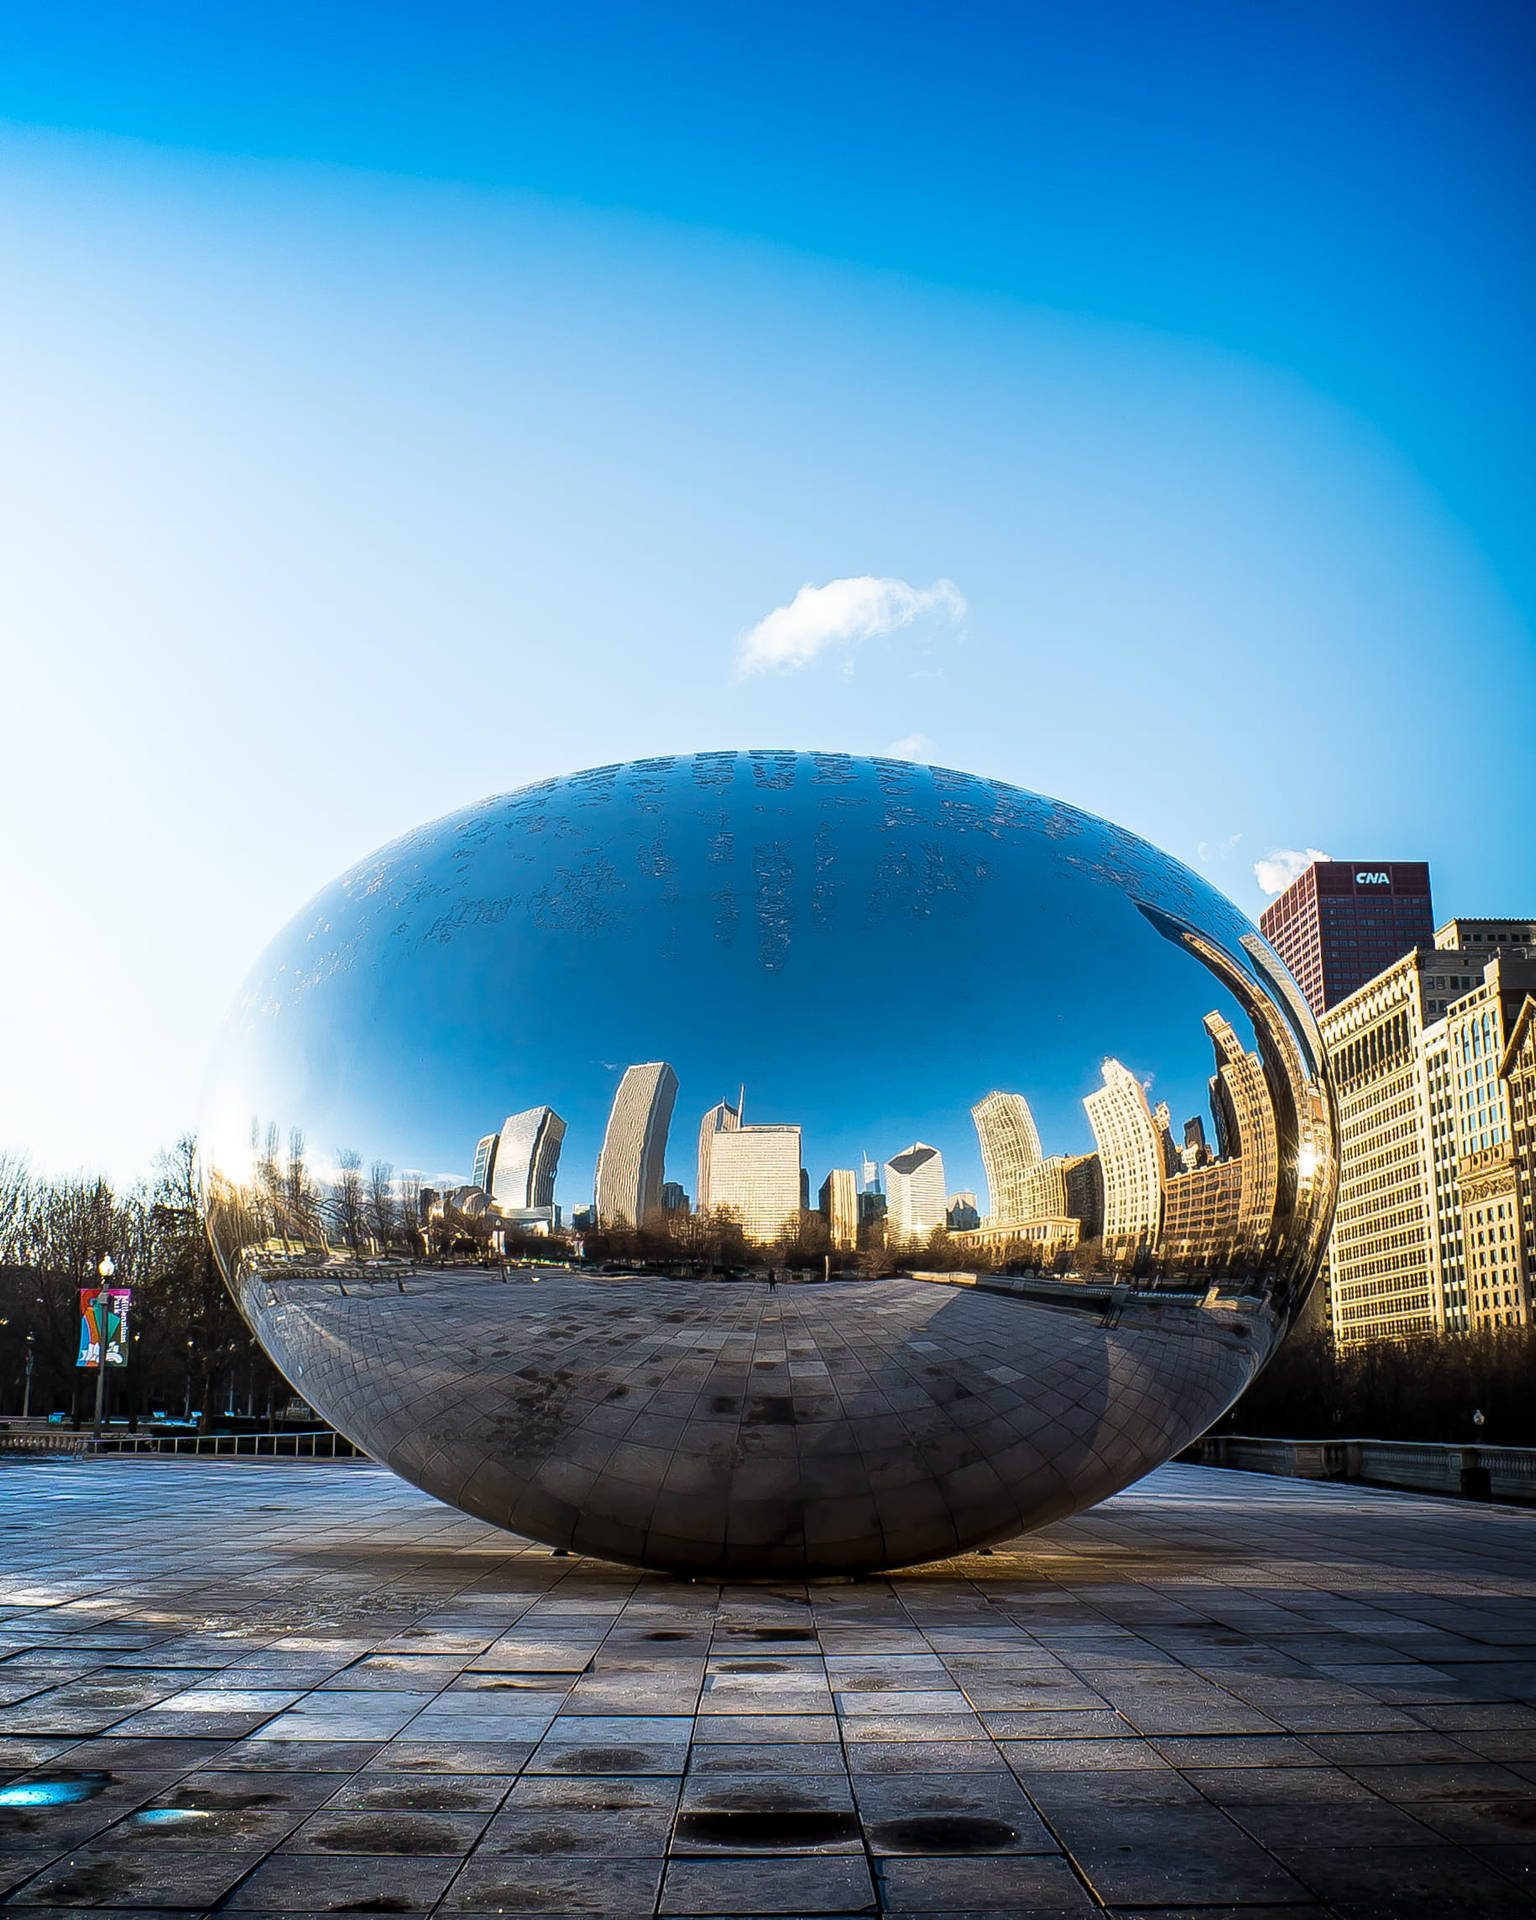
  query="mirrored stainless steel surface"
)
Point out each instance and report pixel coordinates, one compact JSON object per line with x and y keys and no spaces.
{"x":769,"y":1163}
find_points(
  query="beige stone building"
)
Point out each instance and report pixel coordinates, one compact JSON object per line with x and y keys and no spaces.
{"x":1433,"y":1232}
{"x":1517,"y":1069}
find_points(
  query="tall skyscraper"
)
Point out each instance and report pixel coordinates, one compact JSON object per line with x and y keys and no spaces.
{"x":527,"y":1159}
{"x":673,"y":1197}
{"x":840,"y":1206}
{"x":1246,"y":1128}
{"x":1131,"y":1160}
{"x":1341,"y":922}
{"x":721,"y":1119}
{"x":485,"y":1160}
{"x":634,"y":1149}
{"x":915,"y":1191}
{"x":1010,"y":1148}
{"x":752,"y":1172}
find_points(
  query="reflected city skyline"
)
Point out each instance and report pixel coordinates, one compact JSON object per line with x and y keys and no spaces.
{"x":518,"y":1133}
{"x":1142,"y":1196}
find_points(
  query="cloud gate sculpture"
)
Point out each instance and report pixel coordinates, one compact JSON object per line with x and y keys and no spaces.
{"x":765,"y":1164}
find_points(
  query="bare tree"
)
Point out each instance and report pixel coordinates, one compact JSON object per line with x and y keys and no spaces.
{"x":303,"y":1206}
{"x":348,"y":1201}
{"x":380,"y":1208}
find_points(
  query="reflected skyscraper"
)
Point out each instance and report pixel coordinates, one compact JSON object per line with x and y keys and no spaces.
{"x":1173,"y":1158}
{"x":1216,"y":1210}
{"x":752,"y":1172}
{"x":699,"y":915}
{"x":1131,"y":1160}
{"x":485,"y":1160}
{"x":1010,"y":1147}
{"x":527,"y":1159}
{"x":634,"y":1150}
{"x":1244,"y":1111}
{"x":721,"y":1119}
{"x":840,"y":1205}
{"x":915,"y":1191}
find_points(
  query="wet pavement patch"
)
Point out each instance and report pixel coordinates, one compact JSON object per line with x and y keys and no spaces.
{"x":944,"y":1833}
{"x":600,"y":1760}
{"x":57,"y":1790}
{"x":404,"y":1836}
{"x":84,"y":1885}
{"x":768,"y":1827}
{"x":772,"y":1633}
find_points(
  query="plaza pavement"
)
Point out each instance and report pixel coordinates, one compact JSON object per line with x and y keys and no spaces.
{"x":293,"y":1689}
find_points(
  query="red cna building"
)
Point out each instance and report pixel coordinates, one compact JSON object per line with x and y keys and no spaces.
{"x":1342,"y":922}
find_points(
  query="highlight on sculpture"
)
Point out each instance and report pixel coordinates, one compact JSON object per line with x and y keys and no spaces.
{"x":769,"y":1163}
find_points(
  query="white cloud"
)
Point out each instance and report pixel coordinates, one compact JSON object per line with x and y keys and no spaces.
{"x":1216,"y":849}
{"x":841,"y":614}
{"x":911,"y":746}
{"x":1276,"y":873}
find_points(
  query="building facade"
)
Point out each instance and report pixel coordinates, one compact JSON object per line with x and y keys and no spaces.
{"x":754,"y":1173}
{"x":1517,"y":1069}
{"x":723,"y":1118}
{"x":1246,"y":1130}
{"x":1434,"y":1231}
{"x":1495,"y":1220}
{"x":915,"y":1192}
{"x":1517,"y":938}
{"x":527,"y":1159}
{"x":1063,"y":1186}
{"x":1341,"y":922}
{"x":485,"y":1160}
{"x":632,"y":1158}
{"x":1131,"y":1161}
{"x":1010,"y":1150}
{"x":839,"y":1200}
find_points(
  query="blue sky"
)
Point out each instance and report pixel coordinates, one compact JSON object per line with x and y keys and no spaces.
{"x":403,"y":403}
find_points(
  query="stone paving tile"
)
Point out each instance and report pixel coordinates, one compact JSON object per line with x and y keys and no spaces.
{"x":1396,"y":1880}
{"x":305,"y":1882}
{"x":799,"y":1886}
{"x":501,"y":1884}
{"x":382,"y":1792}
{"x":1032,"y":1884}
{"x":104,"y":1876}
{"x":1213,"y":1695}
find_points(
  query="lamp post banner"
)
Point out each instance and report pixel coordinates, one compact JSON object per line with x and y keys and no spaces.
{"x":109,"y":1304}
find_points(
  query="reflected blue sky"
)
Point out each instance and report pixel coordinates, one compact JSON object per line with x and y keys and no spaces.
{"x":408,"y":402}
{"x":868,"y":948}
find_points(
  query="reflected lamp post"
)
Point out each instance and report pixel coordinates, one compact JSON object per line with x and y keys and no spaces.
{"x":106,"y":1269}
{"x":26,"y":1399}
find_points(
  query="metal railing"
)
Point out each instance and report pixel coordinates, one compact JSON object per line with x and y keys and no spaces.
{"x":1478,"y":1473}
{"x":263,"y":1446}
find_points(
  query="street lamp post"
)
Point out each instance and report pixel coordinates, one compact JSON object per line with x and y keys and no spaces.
{"x":26,"y":1403}
{"x":103,"y":1307}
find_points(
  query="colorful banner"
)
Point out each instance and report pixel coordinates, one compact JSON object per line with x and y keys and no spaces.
{"x":110,"y":1304}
